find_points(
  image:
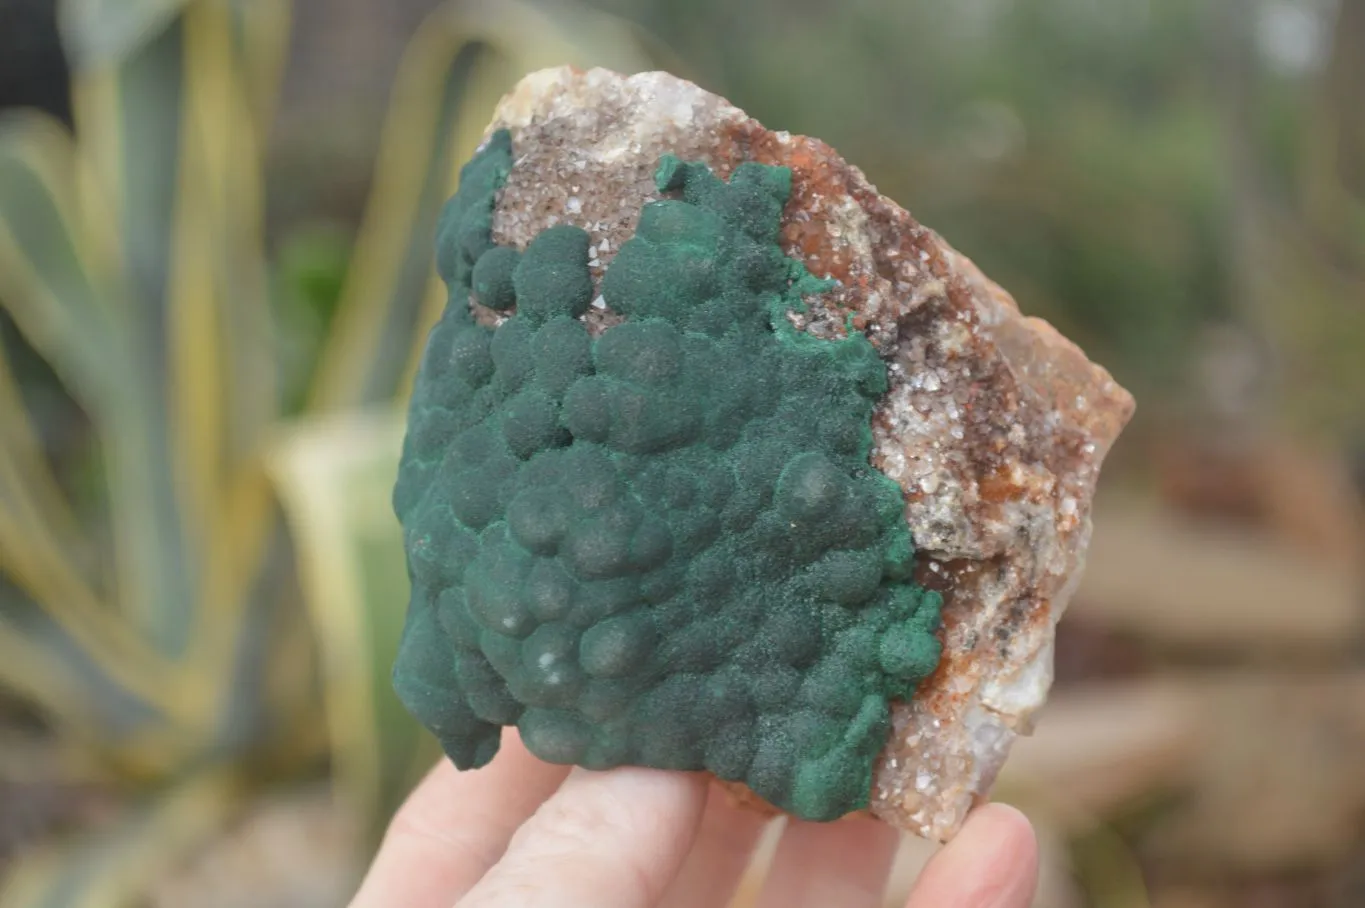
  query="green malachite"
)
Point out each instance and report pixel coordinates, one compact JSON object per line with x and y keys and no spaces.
{"x":663,"y":546}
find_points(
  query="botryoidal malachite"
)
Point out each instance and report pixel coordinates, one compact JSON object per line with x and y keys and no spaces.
{"x":663,"y":546}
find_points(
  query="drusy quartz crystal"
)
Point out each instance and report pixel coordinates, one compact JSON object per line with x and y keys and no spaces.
{"x":663,"y":545}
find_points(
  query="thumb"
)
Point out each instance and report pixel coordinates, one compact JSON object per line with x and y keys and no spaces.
{"x":992,"y":863}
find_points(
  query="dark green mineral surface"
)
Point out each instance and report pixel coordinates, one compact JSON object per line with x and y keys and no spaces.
{"x":663,"y":546}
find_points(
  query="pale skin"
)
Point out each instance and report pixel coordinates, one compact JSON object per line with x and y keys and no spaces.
{"x":520,"y":833}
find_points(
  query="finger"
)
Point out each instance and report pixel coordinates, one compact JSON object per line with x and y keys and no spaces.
{"x":605,"y":840}
{"x":843,"y":863}
{"x":454,"y":826}
{"x":724,"y":845}
{"x":992,"y":863}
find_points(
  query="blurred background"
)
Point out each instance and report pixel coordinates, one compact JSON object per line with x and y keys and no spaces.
{"x":215,"y":224}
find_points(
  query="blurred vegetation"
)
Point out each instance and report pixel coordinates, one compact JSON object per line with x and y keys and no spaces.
{"x":205,"y":602}
{"x":200,"y":577}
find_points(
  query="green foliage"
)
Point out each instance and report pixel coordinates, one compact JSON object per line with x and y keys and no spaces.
{"x":111,"y":863}
{"x":662,"y":546}
{"x":307,"y":282}
{"x":220,"y":614}
{"x":335,"y":474}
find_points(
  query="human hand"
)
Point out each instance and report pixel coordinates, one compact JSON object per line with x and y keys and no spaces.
{"x":520,"y":833}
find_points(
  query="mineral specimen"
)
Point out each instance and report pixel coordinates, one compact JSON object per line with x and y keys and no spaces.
{"x":671,"y":442}
{"x":662,"y":545}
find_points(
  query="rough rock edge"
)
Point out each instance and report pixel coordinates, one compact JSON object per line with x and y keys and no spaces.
{"x":995,"y":425}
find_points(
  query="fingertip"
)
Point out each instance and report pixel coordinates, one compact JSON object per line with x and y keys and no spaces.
{"x":991,"y":863}
{"x":1002,"y":827}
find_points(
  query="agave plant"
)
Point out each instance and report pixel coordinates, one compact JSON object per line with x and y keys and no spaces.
{"x":226,"y":617}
